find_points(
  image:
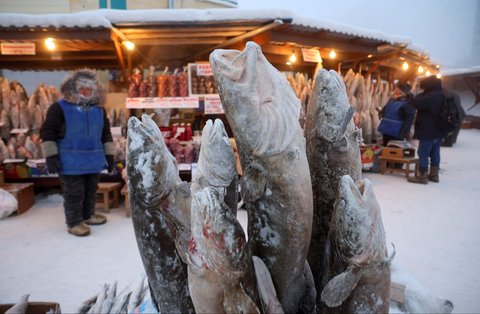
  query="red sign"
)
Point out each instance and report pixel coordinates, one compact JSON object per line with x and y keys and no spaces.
{"x":17,"y":48}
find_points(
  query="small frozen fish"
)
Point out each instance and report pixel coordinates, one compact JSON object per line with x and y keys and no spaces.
{"x":359,"y":263}
{"x":218,"y":256}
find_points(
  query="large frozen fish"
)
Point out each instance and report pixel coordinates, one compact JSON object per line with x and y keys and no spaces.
{"x":263,"y":111}
{"x":216,"y":163}
{"x":218,"y":256}
{"x":332,"y":151}
{"x":360,"y":265}
{"x":154,"y":189}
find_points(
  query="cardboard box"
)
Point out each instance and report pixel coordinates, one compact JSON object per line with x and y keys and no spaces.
{"x":23,"y":192}
{"x":38,"y":167}
{"x":35,"y":307}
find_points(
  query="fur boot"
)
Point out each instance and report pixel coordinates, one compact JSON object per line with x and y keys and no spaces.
{"x":433,"y":175}
{"x":421,"y":177}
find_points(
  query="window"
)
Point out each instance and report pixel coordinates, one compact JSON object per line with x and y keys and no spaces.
{"x":112,"y":4}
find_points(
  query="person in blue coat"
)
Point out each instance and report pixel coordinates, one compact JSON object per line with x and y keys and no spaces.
{"x":397,"y":115}
{"x":78,"y":145}
{"x":428,"y":104}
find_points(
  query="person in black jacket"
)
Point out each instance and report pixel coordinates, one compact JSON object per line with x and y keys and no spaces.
{"x":428,"y":104}
{"x":78,"y":145}
{"x":397,"y":115}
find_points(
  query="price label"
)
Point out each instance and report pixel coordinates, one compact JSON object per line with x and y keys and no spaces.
{"x":204,"y":69}
{"x":213,"y":105}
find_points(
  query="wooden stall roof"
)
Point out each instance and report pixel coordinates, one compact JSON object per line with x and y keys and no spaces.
{"x":175,"y":37}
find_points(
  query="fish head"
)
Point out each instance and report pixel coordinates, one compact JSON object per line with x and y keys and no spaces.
{"x":329,"y":114}
{"x":219,"y":237}
{"x":216,"y":161}
{"x":259,"y":103}
{"x":151,"y":169}
{"x":359,"y":236}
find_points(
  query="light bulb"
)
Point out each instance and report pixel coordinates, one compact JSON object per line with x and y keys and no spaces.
{"x":293,"y":58}
{"x":333,"y":54}
{"x":439,"y":76}
{"x":405,"y":66}
{"x":50,"y":43}
{"x":427,"y":73}
{"x":420,"y":69}
{"x":129,"y":45}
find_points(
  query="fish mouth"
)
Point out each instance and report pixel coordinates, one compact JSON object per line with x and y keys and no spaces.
{"x":233,"y":63}
{"x":216,"y":161}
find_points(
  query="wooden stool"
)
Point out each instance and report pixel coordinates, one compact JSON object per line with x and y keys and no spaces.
{"x":105,"y":188}
{"x":391,"y":156}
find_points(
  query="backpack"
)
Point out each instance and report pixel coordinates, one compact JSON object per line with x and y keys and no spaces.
{"x":449,"y":117}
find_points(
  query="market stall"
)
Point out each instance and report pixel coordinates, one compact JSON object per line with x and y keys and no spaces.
{"x":157,"y":61}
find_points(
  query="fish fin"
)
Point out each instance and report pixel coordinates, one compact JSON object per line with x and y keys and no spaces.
{"x":236,"y":300}
{"x":253,"y":182}
{"x":266,"y":289}
{"x":339,"y":288}
{"x":348,"y":116}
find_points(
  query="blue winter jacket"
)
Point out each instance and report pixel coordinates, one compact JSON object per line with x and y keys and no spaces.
{"x":81,"y":150}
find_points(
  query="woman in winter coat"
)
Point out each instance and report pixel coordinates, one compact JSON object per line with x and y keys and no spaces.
{"x":78,"y":145}
{"x":428,"y":104}
{"x":397,"y":115}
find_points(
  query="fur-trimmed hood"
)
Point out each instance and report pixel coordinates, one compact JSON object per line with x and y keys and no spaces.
{"x":86,"y":78}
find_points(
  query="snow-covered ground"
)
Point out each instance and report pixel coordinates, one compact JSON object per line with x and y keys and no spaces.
{"x":435,"y":229}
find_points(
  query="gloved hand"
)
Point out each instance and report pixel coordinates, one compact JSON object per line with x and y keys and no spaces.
{"x":53,"y":164}
{"x":110,"y":163}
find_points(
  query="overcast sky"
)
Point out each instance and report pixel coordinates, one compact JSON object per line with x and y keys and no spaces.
{"x":448,"y":29}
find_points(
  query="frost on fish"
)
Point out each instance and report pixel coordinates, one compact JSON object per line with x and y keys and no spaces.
{"x":216,"y":163}
{"x":263,"y":111}
{"x":359,"y":267}
{"x":218,"y":256}
{"x":333,"y":151}
{"x":160,"y":205}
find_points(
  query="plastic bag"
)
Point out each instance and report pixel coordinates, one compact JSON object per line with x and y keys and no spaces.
{"x":8,"y":204}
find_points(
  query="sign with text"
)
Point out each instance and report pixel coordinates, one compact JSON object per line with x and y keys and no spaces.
{"x":161,"y":102}
{"x":311,"y":55}
{"x":17,"y":48}
{"x":213,"y":105}
{"x":204,"y":69}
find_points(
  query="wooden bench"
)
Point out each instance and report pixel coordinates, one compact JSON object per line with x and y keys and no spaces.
{"x":391,"y":156}
{"x":106,"y":201}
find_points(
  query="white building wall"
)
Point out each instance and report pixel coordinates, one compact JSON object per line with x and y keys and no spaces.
{"x":34,"y":6}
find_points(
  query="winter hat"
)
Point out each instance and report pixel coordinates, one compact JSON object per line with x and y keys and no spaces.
{"x":431,"y":83}
{"x":82,"y":78}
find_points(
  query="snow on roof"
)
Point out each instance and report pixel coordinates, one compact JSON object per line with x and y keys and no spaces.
{"x":107,"y":17}
{"x":349,"y":29}
{"x":70,"y":20}
{"x":461,"y":71}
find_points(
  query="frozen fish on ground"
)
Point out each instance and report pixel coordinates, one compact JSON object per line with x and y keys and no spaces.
{"x":155,"y":190}
{"x":359,"y":264}
{"x":263,"y":111}
{"x":332,"y":151}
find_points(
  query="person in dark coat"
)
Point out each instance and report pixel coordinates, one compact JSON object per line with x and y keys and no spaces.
{"x":428,"y":104}
{"x":397,"y":115}
{"x":78,"y":145}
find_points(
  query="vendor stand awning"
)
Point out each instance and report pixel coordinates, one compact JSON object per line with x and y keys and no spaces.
{"x":175,"y":37}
